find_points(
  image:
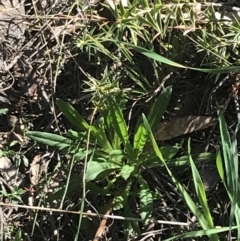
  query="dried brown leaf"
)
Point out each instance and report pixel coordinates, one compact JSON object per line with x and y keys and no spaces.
{"x":35,"y":170}
{"x":178,"y":126}
{"x":10,"y":173}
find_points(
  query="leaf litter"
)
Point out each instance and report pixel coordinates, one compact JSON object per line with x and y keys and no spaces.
{"x":178,"y":126}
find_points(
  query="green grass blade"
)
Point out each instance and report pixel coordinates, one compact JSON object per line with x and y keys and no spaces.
{"x":235,"y":178}
{"x":72,"y":115}
{"x":236,"y":211}
{"x":230,"y":154}
{"x":186,"y":197}
{"x":159,"y":107}
{"x":219,"y":163}
{"x":164,"y":60}
{"x":201,"y":194}
{"x":200,"y":233}
{"x":181,"y":161}
{"x":226,"y":149}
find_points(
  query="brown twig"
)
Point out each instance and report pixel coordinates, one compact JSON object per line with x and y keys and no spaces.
{"x":102,"y":226}
{"x":91,"y":214}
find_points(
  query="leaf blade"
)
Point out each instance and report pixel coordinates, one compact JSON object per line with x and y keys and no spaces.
{"x":146,"y":201}
{"x":72,"y":115}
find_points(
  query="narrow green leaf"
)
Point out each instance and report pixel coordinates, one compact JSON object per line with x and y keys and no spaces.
{"x":50,"y":139}
{"x":75,"y":135}
{"x":118,"y":120}
{"x":181,"y":161}
{"x":145,"y":4}
{"x":200,"y":233}
{"x":121,"y":200}
{"x":159,"y":107}
{"x":230,"y":156}
{"x":219,"y":163}
{"x":235,"y":211}
{"x":62,"y":143}
{"x":201,"y":194}
{"x":131,"y":11}
{"x":169,"y":152}
{"x":147,"y":21}
{"x":227,"y":154}
{"x":18,"y":236}
{"x":230,"y":159}
{"x":154,"y":117}
{"x":99,"y":168}
{"x":72,"y":115}
{"x":146,"y":201}
{"x":120,"y":126}
{"x":191,"y":204}
{"x":152,"y":139}
{"x":99,"y":133}
{"x":76,"y":119}
{"x":122,"y":9}
{"x":109,"y":128}
{"x":140,"y":137}
{"x":164,"y":60}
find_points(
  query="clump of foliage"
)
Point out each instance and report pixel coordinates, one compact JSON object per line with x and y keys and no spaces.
{"x":134,"y":48}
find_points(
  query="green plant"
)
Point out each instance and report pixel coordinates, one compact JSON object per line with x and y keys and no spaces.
{"x":3,"y":111}
{"x":111,"y":148}
{"x":18,"y":236}
{"x":228,"y":169}
{"x":118,"y":158}
{"x":114,"y":155}
{"x":15,"y":196}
